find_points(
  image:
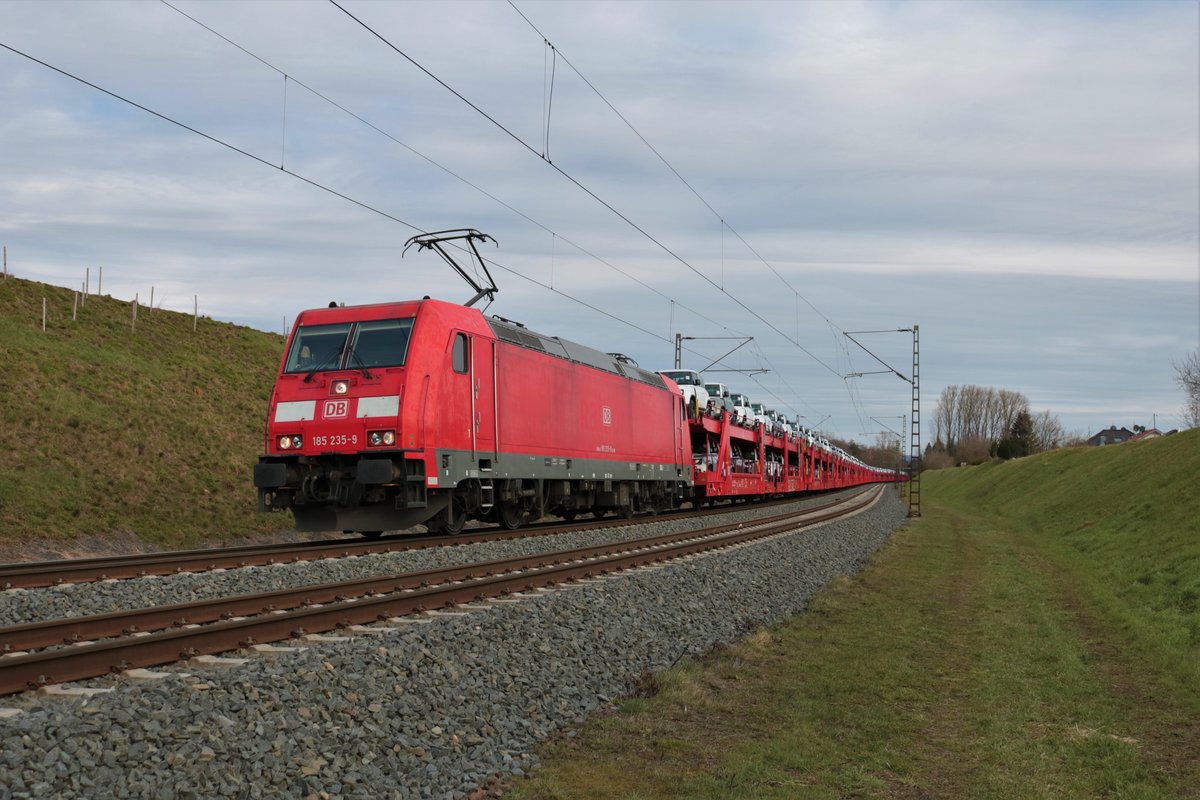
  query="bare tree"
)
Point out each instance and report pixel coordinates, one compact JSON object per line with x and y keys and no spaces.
{"x":945,"y":417}
{"x":1048,"y":432}
{"x":1187,"y":375}
{"x":977,"y":414}
{"x":972,"y":413}
{"x":886,"y":452}
{"x":1009,"y":405}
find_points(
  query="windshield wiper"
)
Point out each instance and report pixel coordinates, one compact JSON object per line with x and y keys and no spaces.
{"x":323,"y":365}
{"x":354,"y":356}
{"x":331,"y":362}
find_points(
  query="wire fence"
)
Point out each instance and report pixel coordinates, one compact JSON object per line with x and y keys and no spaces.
{"x":80,"y":297}
{"x":84,"y":291}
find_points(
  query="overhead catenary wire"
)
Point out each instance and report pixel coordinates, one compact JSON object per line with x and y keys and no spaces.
{"x":839,"y":345}
{"x":432,"y":162}
{"x":210,"y":138}
{"x":892,"y":369}
{"x":288,"y":78}
{"x":619,"y":214}
{"x":554,"y":235}
{"x":723,"y":221}
{"x":671,"y":167}
{"x":323,"y":187}
{"x":547,"y":101}
{"x":523,"y":215}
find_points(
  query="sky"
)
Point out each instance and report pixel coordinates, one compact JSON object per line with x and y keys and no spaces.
{"x":1021,"y":181}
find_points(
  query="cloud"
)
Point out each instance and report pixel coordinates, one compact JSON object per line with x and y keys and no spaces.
{"x":1017,"y":178}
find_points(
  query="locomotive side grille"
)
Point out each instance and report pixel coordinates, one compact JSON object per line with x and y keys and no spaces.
{"x":572,"y":351}
{"x":530,"y":341}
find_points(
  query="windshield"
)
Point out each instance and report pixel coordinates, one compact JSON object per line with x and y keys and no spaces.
{"x":376,"y":343}
{"x":683,"y":378}
{"x":381,"y":343}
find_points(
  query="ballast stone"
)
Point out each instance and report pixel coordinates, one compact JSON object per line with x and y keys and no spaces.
{"x":563,"y":655}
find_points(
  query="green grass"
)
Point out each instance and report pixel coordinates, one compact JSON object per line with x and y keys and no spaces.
{"x":1030,"y":637}
{"x":1126,"y":519}
{"x":111,"y":431}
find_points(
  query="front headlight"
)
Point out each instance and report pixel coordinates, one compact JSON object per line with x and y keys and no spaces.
{"x":381,"y":438}
{"x":290,"y":442}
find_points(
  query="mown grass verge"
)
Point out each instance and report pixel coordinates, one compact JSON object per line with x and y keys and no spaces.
{"x":114,"y":431}
{"x":1008,"y":644}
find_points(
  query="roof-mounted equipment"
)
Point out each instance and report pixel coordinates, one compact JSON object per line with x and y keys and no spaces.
{"x":436,"y":240}
{"x":624,"y":359}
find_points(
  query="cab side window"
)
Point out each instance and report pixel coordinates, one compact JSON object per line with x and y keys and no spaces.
{"x":458,"y":358}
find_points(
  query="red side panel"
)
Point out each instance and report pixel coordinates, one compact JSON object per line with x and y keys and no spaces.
{"x":554,"y":407}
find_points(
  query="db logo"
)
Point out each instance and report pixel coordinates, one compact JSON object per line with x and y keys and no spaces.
{"x":335,"y":409}
{"x":606,"y":415}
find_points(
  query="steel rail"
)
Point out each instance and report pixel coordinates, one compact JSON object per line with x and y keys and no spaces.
{"x":71,"y":630}
{"x":35,"y":574}
{"x":20,"y":672}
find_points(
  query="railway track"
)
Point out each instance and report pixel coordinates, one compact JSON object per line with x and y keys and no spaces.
{"x":187,"y":630}
{"x":36,"y":574}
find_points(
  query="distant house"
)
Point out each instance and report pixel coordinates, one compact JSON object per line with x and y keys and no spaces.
{"x":1149,"y":433}
{"x":1110,"y":436}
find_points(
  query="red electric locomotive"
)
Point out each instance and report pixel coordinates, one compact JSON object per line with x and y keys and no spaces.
{"x":386,"y":416}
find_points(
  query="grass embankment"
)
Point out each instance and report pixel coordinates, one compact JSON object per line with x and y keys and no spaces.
{"x":108,"y":431}
{"x":1034,"y":635}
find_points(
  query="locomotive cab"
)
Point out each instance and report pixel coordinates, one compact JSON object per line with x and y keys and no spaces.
{"x":345,"y":433}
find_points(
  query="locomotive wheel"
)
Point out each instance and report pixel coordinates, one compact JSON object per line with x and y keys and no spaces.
{"x":439,"y":524}
{"x":567,"y":514}
{"x":599,"y":513}
{"x":510,"y":516}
